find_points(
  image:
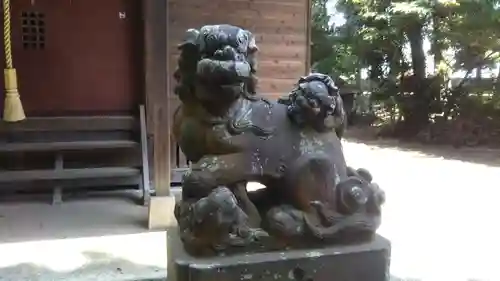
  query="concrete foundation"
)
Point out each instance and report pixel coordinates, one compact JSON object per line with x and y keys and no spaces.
{"x":161,"y":212}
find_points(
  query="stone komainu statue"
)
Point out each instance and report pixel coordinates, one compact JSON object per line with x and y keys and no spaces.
{"x":292,"y":146}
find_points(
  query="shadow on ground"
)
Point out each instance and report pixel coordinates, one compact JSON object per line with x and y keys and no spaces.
{"x":99,"y":266}
{"x":485,"y":156}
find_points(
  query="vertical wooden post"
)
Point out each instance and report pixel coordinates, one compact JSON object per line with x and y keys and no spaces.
{"x":308,"y":17}
{"x":157,"y":93}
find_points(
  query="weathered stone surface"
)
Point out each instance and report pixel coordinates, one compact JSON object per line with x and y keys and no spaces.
{"x":233,"y":136}
{"x":361,"y":262}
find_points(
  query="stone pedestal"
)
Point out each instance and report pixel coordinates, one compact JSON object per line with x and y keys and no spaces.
{"x":361,"y":262}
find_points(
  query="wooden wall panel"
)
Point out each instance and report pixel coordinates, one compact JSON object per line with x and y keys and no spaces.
{"x":281,"y":28}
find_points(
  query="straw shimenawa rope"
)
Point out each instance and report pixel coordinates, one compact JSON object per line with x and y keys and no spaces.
{"x":13,"y":108}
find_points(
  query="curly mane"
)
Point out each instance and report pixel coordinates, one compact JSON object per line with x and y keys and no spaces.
{"x":185,"y":73}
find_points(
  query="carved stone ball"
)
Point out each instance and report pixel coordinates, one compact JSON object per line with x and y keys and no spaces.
{"x":219,"y":207}
{"x":378,"y":193}
{"x":360,"y":173}
{"x":352,"y":195}
{"x":285,"y":219}
{"x":351,"y":172}
{"x":365,"y":174}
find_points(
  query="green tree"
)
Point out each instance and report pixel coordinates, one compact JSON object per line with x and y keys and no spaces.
{"x":331,"y":52}
{"x":464,"y":35}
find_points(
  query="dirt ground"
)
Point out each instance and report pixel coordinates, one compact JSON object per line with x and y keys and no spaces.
{"x":442,"y":207}
{"x":441,"y":216}
{"x":97,"y":237}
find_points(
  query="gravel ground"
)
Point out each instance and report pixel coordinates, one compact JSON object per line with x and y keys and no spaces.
{"x":441,"y":210}
{"x":440,"y":216}
{"x":99,"y":238}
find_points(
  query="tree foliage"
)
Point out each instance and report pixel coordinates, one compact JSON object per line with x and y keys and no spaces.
{"x":388,"y":38}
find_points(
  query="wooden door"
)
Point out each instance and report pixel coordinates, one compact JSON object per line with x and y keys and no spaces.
{"x":77,"y":57}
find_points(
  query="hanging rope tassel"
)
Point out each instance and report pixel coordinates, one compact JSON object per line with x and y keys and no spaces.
{"x":13,"y":108}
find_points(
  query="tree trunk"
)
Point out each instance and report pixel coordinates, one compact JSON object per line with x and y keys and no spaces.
{"x":478,"y":73}
{"x":436,"y":47}
{"x":415,"y":37}
{"x":436,"y":87}
{"x":497,"y":82}
{"x":418,"y":116}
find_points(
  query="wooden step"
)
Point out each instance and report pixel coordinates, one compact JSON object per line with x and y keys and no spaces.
{"x":68,"y":174}
{"x":65,"y":146}
{"x":71,"y":123}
